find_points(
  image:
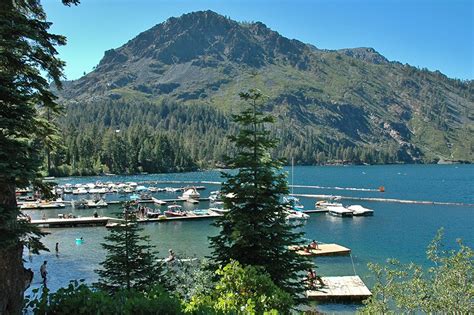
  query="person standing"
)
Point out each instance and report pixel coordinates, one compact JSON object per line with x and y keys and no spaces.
{"x":43,"y":271}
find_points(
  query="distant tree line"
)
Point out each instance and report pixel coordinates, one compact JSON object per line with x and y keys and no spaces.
{"x":132,"y":137}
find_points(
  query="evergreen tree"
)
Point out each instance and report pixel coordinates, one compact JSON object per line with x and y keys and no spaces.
{"x":130,"y":262}
{"x":255,"y":231}
{"x":26,"y":50}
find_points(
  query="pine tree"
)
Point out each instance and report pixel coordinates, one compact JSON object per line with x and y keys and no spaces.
{"x":27,"y":50}
{"x":130,"y":262}
{"x":255,"y":230}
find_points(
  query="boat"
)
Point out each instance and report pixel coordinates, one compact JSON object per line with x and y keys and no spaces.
{"x":190,"y":193}
{"x":175,"y":211}
{"x":215,"y":196}
{"x":323,"y":204}
{"x":294,"y":203}
{"x":339,"y":211}
{"x":134,"y":197}
{"x":79,"y":191}
{"x":29,"y":205}
{"x":358,"y":210}
{"x":158,"y":201}
{"x":219,"y":210}
{"x":152,"y":214}
{"x":201,"y":212}
{"x":96,"y":203}
{"x":145,"y":197}
{"x":296,"y":215}
{"x":51,"y":204}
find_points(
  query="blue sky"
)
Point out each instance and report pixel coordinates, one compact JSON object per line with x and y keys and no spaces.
{"x":438,"y":35}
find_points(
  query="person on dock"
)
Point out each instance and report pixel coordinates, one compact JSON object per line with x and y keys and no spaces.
{"x":312,"y":277}
{"x":44,"y":272}
{"x":314,"y":245}
{"x":44,"y":216}
{"x":96,"y":215}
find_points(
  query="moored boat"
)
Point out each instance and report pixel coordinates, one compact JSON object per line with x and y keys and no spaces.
{"x":96,"y":203}
{"x":175,"y":211}
{"x":339,"y":211}
{"x":358,"y":210}
{"x":296,"y":215}
{"x":323,"y":204}
{"x":190,"y":193}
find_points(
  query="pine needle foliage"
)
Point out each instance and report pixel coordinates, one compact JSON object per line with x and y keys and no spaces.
{"x":255,"y":231}
{"x":131,"y":262}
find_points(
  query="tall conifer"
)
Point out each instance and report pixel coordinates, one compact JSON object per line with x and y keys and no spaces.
{"x":130,"y":262}
{"x":255,"y":230}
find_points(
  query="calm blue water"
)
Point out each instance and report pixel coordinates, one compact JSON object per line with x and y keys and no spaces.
{"x":400,"y":231}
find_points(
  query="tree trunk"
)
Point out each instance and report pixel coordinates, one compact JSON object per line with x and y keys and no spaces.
{"x":14,"y":278}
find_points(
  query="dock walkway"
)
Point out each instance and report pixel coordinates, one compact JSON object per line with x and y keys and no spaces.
{"x":346,"y":288}
{"x":324,"y":250}
{"x":84,"y":221}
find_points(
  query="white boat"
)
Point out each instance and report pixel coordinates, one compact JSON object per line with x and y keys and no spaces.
{"x":153,"y":214}
{"x":79,"y":191}
{"x":215,"y":196}
{"x":219,"y":210}
{"x":98,"y":203}
{"x":294,"y":203}
{"x":339,"y":211}
{"x":358,"y":210}
{"x":296,"y":215}
{"x":323,"y":204}
{"x":158,"y":201}
{"x":175,"y":211}
{"x":51,"y":205}
{"x":190,"y":193}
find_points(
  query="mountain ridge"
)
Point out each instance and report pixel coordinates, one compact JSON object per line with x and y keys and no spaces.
{"x":354,"y":97}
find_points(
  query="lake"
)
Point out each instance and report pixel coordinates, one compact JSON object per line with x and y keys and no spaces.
{"x":400,"y":231}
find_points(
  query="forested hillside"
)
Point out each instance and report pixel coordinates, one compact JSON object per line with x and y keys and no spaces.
{"x":173,"y":88}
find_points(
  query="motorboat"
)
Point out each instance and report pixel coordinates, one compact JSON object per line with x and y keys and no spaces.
{"x":219,"y":210}
{"x":339,"y":211}
{"x":153,"y":214}
{"x":201,"y":212}
{"x":215,"y":196}
{"x":96,"y":203}
{"x":296,"y":215}
{"x":190,"y":193}
{"x":294,"y":203}
{"x":323,"y":204}
{"x":158,"y":201}
{"x":175,"y":211}
{"x":80,"y":191}
{"x":358,"y":210}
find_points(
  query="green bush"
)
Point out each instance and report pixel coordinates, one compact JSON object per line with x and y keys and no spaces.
{"x":78,"y":298}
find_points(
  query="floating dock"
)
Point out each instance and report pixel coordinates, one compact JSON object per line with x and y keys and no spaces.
{"x":73,"y":222}
{"x":346,"y":288}
{"x":324,"y":250}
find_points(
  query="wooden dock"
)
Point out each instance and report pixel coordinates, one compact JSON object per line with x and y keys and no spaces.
{"x":347,"y":288}
{"x":73,"y":222}
{"x":324,"y":250}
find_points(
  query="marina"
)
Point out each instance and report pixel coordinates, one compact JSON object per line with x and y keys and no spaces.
{"x":188,"y":237}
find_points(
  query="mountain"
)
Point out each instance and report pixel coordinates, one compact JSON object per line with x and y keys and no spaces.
{"x":325,"y":100}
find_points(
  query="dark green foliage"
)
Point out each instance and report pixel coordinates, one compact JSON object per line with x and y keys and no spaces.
{"x":168,"y":137}
{"x":255,"y":231}
{"x":446,"y":287}
{"x":130,"y":261}
{"x":80,"y":299}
